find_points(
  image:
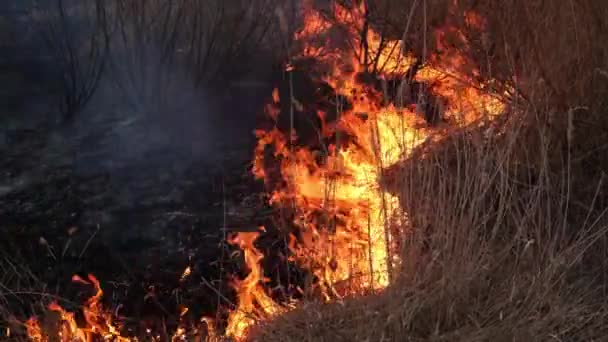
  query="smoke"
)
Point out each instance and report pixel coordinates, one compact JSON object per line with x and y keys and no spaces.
{"x":149,"y":112}
{"x":149,"y":115}
{"x":154,"y":104}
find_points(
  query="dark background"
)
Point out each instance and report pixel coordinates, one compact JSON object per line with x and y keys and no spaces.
{"x":124,"y":188}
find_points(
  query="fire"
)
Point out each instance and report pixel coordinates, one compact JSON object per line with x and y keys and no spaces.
{"x":347,"y":227}
{"x":346,"y":223}
{"x":34,"y":331}
{"x":186,"y":273}
{"x":99,"y":322}
{"x":253,"y":302}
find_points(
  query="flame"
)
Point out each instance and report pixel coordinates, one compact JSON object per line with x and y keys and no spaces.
{"x":99,"y":322}
{"x":253,"y":302}
{"x":346,"y":226}
{"x":34,"y":331}
{"x":186,"y":273}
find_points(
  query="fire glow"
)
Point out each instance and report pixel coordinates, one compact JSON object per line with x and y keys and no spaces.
{"x":99,"y":322}
{"x":347,"y":228}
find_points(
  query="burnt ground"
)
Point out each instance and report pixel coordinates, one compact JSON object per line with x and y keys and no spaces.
{"x":133,"y":189}
{"x":135,"y":226}
{"x":132,"y":199}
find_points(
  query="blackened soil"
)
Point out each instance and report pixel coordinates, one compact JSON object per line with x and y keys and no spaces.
{"x":135,"y":225}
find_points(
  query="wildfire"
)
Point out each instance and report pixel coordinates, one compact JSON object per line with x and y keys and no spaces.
{"x":253,"y":302}
{"x":99,"y":322}
{"x":347,"y":228}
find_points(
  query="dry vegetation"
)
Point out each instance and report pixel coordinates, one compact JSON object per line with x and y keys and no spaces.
{"x":143,"y":48}
{"x":126,"y":59}
{"x":507,"y":230}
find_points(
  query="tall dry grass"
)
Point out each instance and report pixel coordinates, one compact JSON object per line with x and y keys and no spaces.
{"x":506,"y":238}
{"x":507,"y":230}
{"x":495,"y":251}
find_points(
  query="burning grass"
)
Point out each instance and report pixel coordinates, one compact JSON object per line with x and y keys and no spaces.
{"x":489,"y":255}
{"x":506,"y":227}
{"x":440,"y":199}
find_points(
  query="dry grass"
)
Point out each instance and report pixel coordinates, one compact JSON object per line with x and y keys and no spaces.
{"x":507,"y":232}
{"x":491,"y":256}
{"x":21,"y":294}
{"x":495,"y":253}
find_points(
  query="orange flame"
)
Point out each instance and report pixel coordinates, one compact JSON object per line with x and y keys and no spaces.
{"x":347,"y":223}
{"x":348,"y":227}
{"x":253,"y":302}
{"x":99,"y":322}
{"x":34,"y":331}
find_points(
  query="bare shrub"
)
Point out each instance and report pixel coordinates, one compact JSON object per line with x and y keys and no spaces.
{"x":78,"y":40}
{"x":198,"y":44}
{"x":143,"y":43}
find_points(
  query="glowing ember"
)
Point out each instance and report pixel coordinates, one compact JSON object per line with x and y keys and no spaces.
{"x":34,"y":332}
{"x":186,"y":273}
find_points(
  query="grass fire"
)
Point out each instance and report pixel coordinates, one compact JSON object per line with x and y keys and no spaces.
{"x":390,"y":170}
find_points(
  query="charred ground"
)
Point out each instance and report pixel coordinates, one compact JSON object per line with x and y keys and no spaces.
{"x":148,"y":177}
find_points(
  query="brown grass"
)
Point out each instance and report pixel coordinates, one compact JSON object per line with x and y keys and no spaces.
{"x":491,"y":255}
{"x":507,"y":232}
